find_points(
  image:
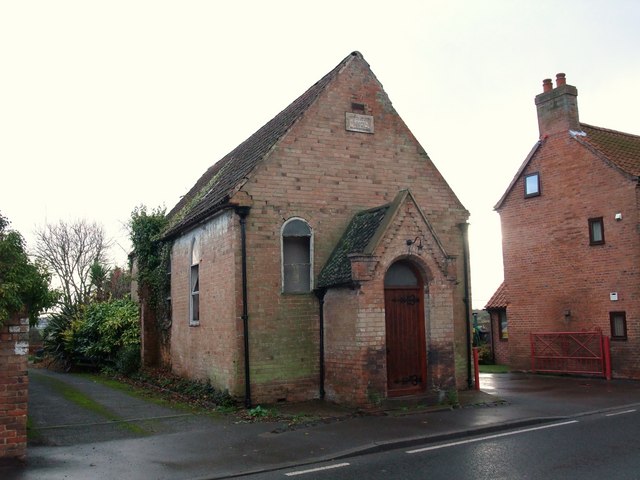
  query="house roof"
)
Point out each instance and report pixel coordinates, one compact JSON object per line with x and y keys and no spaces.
{"x":363,"y":235}
{"x":620,"y":149}
{"x":218,"y":184}
{"x":356,"y":238}
{"x":498,"y":299}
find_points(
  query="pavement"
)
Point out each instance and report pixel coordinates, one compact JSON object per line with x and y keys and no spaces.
{"x":115,"y":435}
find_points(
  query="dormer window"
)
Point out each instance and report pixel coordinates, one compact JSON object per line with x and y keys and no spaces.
{"x":532,"y":185}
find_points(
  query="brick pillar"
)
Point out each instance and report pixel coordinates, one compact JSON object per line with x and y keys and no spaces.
{"x":14,"y":383}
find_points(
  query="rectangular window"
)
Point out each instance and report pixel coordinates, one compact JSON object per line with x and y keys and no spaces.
{"x":297,"y":264}
{"x":167,"y":303}
{"x":504,"y":325}
{"x":195,"y":294}
{"x":596,"y":231}
{"x":532,"y":185}
{"x":618,"y":325}
{"x":296,"y":256}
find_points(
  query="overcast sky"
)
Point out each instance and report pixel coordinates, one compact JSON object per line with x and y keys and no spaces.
{"x":109,"y":105}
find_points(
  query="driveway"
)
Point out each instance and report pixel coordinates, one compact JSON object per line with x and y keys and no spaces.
{"x":74,"y":409}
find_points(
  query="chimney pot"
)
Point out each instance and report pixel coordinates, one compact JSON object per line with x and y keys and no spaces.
{"x":557,"y":108}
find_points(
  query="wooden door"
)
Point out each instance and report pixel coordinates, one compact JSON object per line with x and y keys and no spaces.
{"x":406,"y":346}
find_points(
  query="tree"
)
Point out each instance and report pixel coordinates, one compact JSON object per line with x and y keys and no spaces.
{"x":71,"y":250}
{"x":24,"y":285}
{"x":109,"y":284}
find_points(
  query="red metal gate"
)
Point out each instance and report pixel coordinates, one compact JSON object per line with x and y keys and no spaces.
{"x":585,"y":353}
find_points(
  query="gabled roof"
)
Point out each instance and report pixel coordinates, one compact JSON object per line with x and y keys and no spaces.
{"x":214,"y":189}
{"x":518,"y":173}
{"x":364,"y":233}
{"x":620,"y":149}
{"x":363,"y":227}
{"x":498,"y":299}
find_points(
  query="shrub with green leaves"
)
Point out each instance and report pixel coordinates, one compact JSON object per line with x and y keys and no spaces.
{"x":60,"y":340}
{"x":107,"y":329}
{"x":128,"y":360}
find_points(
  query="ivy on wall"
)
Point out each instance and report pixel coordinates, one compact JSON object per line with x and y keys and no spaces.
{"x":152,"y":256}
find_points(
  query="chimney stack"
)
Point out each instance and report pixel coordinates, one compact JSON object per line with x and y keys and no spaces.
{"x":557,"y":107}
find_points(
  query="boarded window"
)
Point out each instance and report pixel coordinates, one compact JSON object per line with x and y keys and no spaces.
{"x":194,"y":300}
{"x":167,"y":304}
{"x":618,"y":325}
{"x":400,"y":274}
{"x":296,"y":257}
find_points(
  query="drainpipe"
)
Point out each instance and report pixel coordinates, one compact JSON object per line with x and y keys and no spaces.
{"x":464,"y":227}
{"x":320,"y":294}
{"x":242,"y":213}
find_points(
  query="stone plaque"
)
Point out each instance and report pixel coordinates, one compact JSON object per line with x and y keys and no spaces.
{"x":359,"y":123}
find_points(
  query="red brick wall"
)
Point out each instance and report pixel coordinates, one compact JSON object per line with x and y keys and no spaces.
{"x":355,"y":319}
{"x":550,"y":268}
{"x":324,"y":174}
{"x":14,"y":382}
{"x":210,"y":350}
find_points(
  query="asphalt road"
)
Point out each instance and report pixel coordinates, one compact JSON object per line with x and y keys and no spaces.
{"x":86,"y":430}
{"x":599,"y":446}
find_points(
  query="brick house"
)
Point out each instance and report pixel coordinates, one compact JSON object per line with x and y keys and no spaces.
{"x":570,"y":235}
{"x":499,"y":326}
{"x":325,"y":256}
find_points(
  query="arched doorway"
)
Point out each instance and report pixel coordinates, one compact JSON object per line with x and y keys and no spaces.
{"x":405,"y":335}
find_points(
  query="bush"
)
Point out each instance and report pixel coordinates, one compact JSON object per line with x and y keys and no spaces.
{"x":59,"y":336}
{"x":128,"y":360}
{"x":105,"y":334}
{"x":485,"y":356}
{"x":108,"y":328}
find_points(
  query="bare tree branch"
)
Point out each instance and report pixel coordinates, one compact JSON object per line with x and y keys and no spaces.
{"x":70,"y":249}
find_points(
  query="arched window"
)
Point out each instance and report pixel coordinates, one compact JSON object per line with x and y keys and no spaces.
{"x":194,"y":294}
{"x":296,"y":256}
{"x":400,"y":274}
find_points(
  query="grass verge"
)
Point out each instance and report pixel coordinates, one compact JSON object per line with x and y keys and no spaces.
{"x":494,"y":369}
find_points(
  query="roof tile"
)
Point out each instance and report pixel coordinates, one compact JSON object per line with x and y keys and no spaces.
{"x":623,"y":149}
{"x":499,"y":299}
{"x":214,"y":189}
{"x":363,"y":226}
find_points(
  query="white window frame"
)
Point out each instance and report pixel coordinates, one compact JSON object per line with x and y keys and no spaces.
{"x":530,"y":193}
{"x":311,"y":239}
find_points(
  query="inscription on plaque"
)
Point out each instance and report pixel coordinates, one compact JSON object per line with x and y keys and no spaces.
{"x":359,"y":123}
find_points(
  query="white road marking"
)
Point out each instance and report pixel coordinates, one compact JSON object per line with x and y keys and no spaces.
{"x":619,"y":413}
{"x":319,"y":469}
{"x":489,"y":437}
